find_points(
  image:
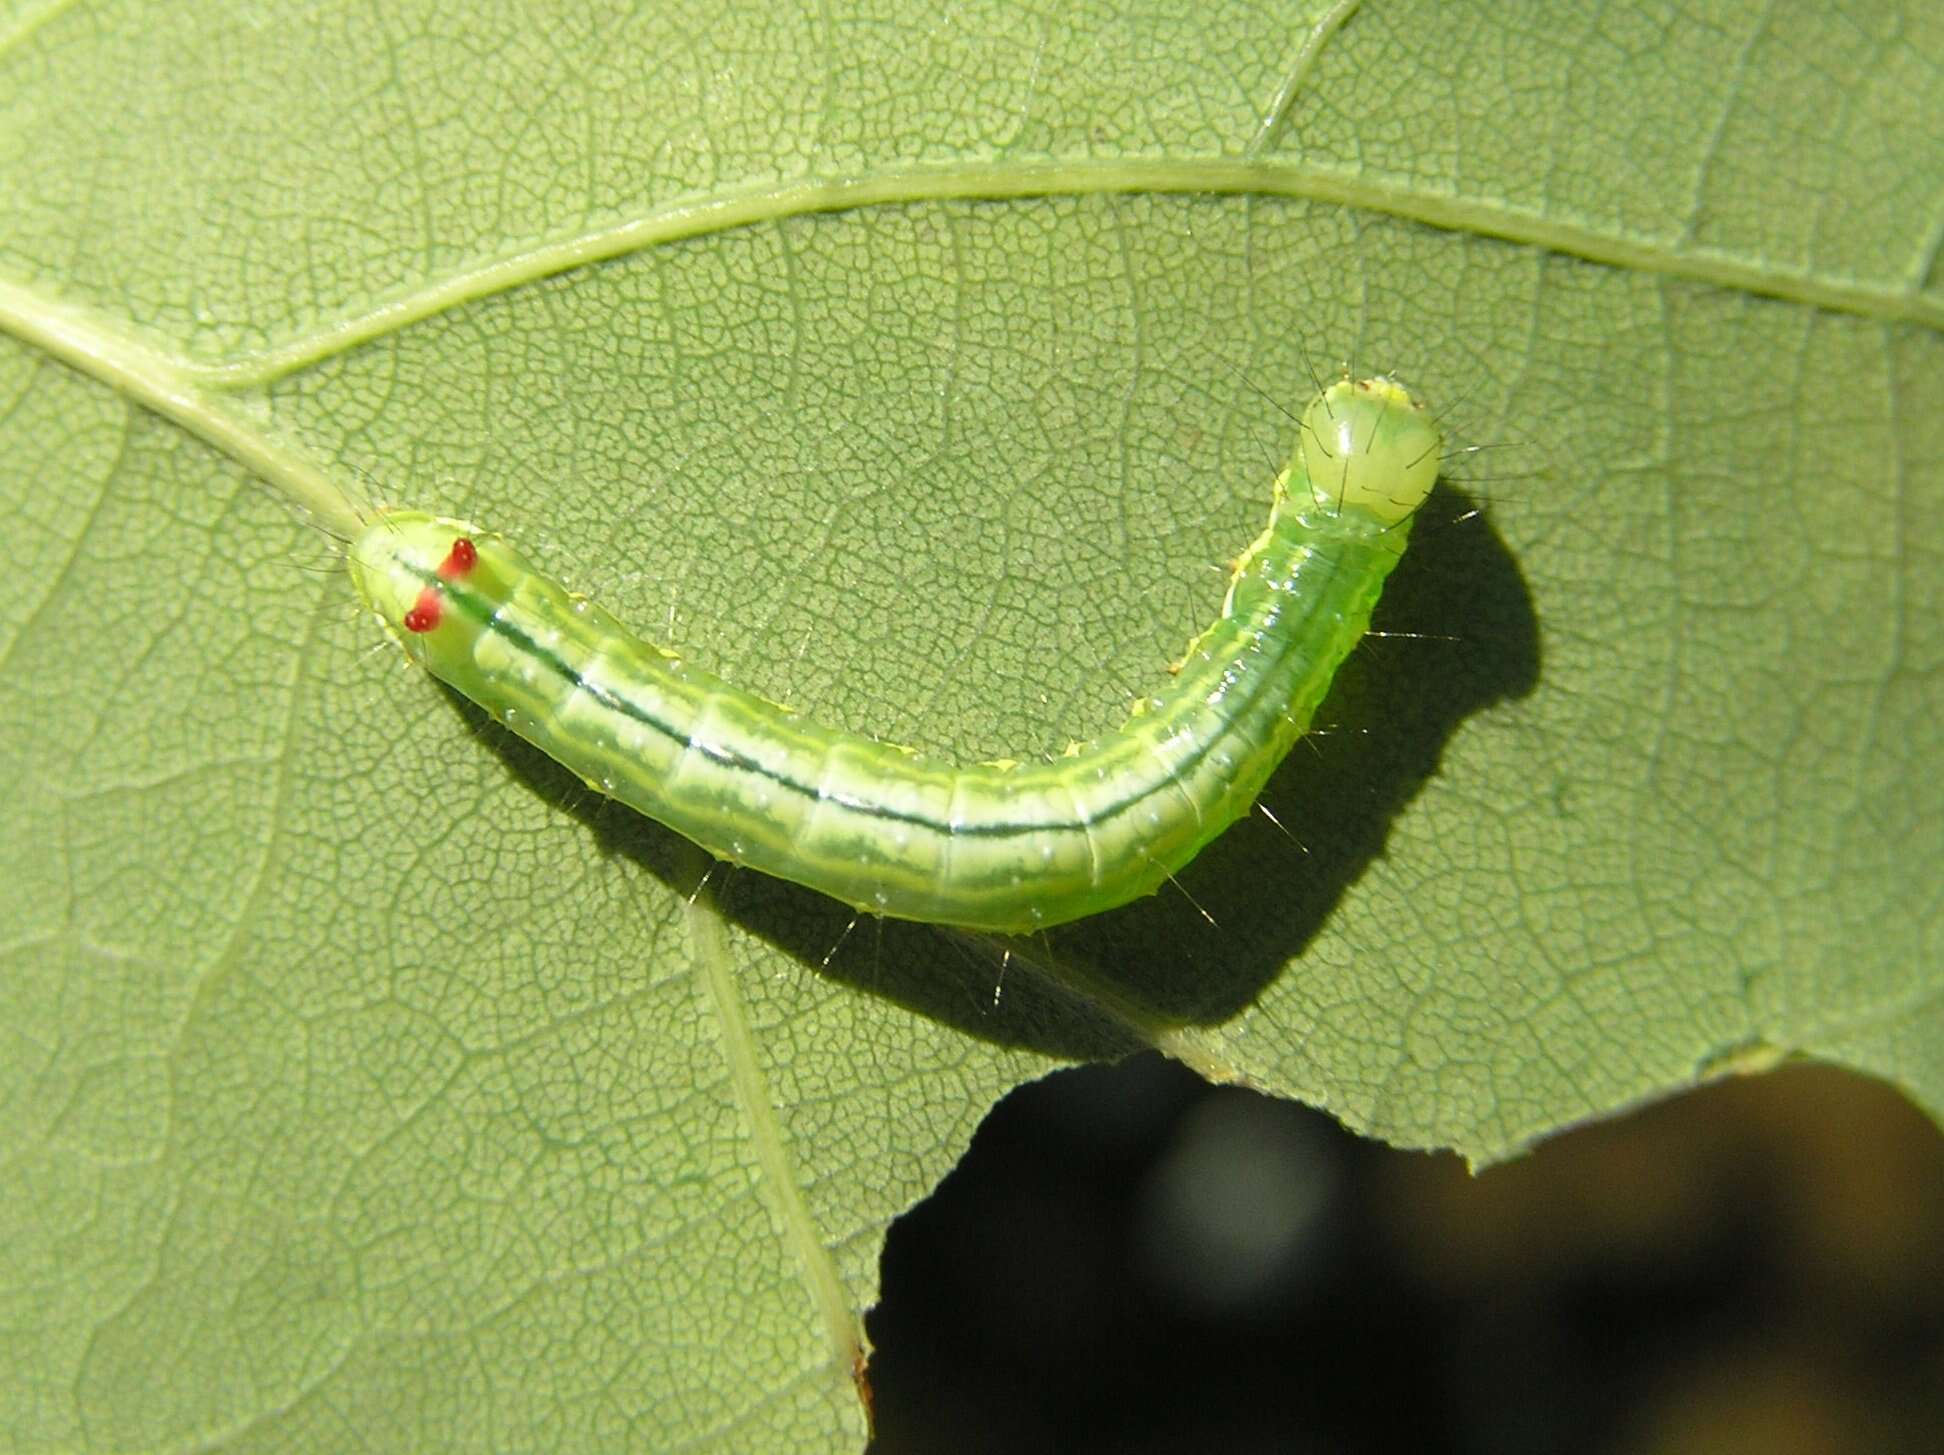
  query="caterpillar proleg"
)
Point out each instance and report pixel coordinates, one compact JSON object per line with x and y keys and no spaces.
{"x":1007,"y":848}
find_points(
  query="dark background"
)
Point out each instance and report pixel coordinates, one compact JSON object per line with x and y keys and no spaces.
{"x":1130,"y":1260}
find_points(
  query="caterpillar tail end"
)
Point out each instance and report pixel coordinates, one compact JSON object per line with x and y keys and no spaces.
{"x":1369,"y":446}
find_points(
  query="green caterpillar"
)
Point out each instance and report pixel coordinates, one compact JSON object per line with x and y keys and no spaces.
{"x":1006,"y":847}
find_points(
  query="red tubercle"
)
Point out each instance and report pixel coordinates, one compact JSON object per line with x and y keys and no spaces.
{"x":463,"y":556}
{"x":429,"y":609}
{"x":426,"y":611}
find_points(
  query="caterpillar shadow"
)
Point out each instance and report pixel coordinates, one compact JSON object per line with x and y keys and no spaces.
{"x":1454,"y":633}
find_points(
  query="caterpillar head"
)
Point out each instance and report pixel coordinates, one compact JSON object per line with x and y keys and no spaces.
{"x":1369,"y":446}
{"x":402,"y":562}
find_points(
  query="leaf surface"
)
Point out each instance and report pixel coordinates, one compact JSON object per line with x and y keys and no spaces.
{"x":365,"y":1079}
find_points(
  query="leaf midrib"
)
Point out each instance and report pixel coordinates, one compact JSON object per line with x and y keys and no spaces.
{"x":771,"y":202}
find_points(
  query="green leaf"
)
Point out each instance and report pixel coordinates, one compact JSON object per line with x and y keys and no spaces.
{"x":365,"y":1080}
